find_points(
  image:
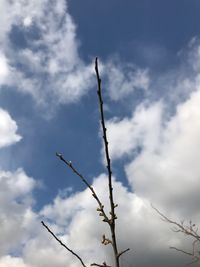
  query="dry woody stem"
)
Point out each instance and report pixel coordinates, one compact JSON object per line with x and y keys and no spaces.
{"x":109,"y":219}
{"x":101,"y":206}
{"x":190,"y":230}
{"x":63,"y":245}
{"x":108,"y":160}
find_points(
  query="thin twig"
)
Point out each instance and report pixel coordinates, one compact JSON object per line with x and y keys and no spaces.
{"x":100,"y":265}
{"x":62,"y":244}
{"x":101,"y":206}
{"x":181,"y":250}
{"x":122,"y":252}
{"x":196,"y":258}
{"x":188,"y":230}
{"x":193,"y":246}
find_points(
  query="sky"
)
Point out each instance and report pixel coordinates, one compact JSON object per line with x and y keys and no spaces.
{"x":149,"y":62}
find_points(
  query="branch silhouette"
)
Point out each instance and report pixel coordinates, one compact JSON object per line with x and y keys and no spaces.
{"x":189,"y":230}
{"x":63,"y":245}
{"x":109,"y":219}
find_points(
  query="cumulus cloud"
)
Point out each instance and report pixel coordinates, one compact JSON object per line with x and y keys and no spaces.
{"x":40,"y":56}
{"x":162,"y":146}
{"x":137,"y":131}
{"x":124,"y":79}
{"x":4,"y":68}
{"x":169,"y":173}
{"x":75,"y":221}
{"x":23,"y":242}
{"x":8,"y":261}
{"x":82,"y":230}
{"x":162,"y":150}
{"x":39,"y":42}
{"x":16,"y":215}
{"x":8,"y":129}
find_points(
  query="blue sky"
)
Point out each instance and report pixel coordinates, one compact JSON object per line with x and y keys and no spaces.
{"x":149,"y":62}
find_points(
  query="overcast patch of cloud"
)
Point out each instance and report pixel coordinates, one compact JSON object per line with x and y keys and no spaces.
{"x":8,"y":261}
{"x":8,"y":129}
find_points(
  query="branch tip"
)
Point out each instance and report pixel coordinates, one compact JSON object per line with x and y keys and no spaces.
{"x":59,"y":155}
{"x":62,"y":244}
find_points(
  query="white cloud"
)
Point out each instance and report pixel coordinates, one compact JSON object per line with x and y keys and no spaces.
{"x":169,"y":173}
{"x":124,"y":79}
{"x":17,"y":219}
{"x":138,"y":131}
{"x":9,"y":261}
{"x":8,"y":129}
{"x":47,"y":64}
{"x":4,"y":68}
{"x":163,"y":147}
{"x":165,"y":171}
{"x":80,"y":227}
{"x":76,"y":222}
{"x":27,"y":21}
{"x":22,"y":234}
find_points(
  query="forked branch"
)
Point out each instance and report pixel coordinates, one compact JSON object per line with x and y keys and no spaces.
{"x":83,"y":179}
{"x":189,"y":230}
{"x":100,"y":265}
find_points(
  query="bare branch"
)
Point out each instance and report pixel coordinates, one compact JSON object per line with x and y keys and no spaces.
{"x":189,"y":229}
{"x":122,"y":252}
{"x":101,"y":206}
{"x":196,"y":258}
{"x":100,"y":265}
{"x":181,"y":227}
{"x":181,"y":250}
{"x":62,"y":244}
{"x":112,"y":217}
{"x":193,"y":246}
{"x":194,"y":261}
{"x":112,"y":205}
